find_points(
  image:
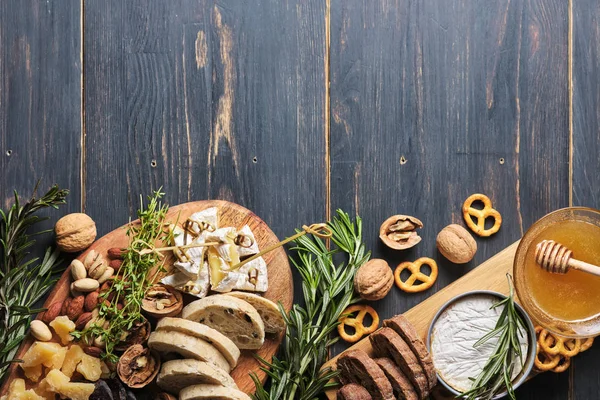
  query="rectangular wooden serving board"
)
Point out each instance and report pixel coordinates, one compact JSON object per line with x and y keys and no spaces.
{"x":490,"y":275}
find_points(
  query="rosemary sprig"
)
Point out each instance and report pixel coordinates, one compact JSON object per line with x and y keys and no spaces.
{"x":497,"y":373}
{"x":133,"y":279}
{"x":328,"y":290}
{"x":23,"y":281}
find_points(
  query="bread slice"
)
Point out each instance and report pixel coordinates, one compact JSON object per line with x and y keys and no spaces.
{"x":409,"y":334}
{"x":211,"y":392}
{"x":178,"y":374}
{"x":388,"y":343}
{"x":357,"y":367}
{"x":268,"y":311}
{"x":403,"y":389}
{"x":187,"y":346}
{"x":212,"y":336}
{"x":233,"y":317}
{"x":353,"y":391}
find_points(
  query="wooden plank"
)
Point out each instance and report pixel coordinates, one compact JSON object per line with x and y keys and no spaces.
{"x":208,"y":99}
{"x":585,"y":370}
{"x":491,"y":275}
{"x":433,"y":101}
{"x":40,"y":110}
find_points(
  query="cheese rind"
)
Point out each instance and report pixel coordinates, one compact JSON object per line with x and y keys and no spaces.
{"x":455,"y":332}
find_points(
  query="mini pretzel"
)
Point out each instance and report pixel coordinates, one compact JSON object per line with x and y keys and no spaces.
{"x":563,"y":364}
{"x":357,"y":322}
{"x":586,"y":345}
{"x":553,"y":345}
{"x":416,"y":275}
{"x":544,"y":362}
{"x":481,"y":215}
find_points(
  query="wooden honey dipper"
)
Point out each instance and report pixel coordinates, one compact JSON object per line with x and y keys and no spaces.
{"x":558,"y":259}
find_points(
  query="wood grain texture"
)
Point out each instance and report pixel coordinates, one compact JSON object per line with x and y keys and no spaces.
{"x":230,"y":214}
{"x":585,"y":370}
{"x":40,"y":110}
{"x":208,"y":99}
{"x":434,"y":101}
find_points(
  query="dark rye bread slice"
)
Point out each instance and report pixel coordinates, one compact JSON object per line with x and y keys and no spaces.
{"x":403,"y":389}
{"x":357,"y":367}
{"x":353,"y":391}
{"x":388,"y":343}
{"x":409,"y":334}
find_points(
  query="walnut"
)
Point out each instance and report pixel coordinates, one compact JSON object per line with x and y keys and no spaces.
{"x":75,"y":232}
{"x":374,"y":280}
{"x":138,"y":366}
{"x":399,"y":232}
{"x":456,"y":244}
{"x":162,"y":301}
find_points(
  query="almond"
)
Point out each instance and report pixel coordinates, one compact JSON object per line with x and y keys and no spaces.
{"x":65,"y":305}
{"x":108,"y":272}
{"x":93,"y":351}
{"x":116,"y":253}
{"x":52,"y":312}
{"x":40,"y":330}
{"x":75,"y":308}
{"x":115,"y":264}
{"x":83,"y":320}
{"x":91,"y":301}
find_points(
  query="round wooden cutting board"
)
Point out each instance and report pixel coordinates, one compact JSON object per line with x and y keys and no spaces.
{"x":230,"y":214}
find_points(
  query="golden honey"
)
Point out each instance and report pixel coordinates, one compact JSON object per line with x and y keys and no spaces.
{"x":575,"y":295}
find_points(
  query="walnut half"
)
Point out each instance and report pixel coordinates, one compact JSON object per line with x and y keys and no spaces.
{"x":400,"y":232}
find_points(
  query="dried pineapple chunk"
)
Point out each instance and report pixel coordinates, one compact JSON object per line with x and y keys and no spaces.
{"x":40,"y":353}
{"x":57,"y":359}
{"x":60,"y":384}
{"x":73,"y":357}
{"x":90,"y":367}
{"x":16,"y":391}
{"x":63,"y":327}
{"x":33,"y":373}
{"x":43,"y":389}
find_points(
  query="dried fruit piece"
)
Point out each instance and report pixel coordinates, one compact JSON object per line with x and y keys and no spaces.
{"x":90,"y":367}
{"x":60,"y":384}
{"x":16,"y":391}
{"x":63,"y":327}
{"x":400,"y":232}
{"x":33,"y":373}
{"x":138,"y":366}
{"x":162,"y":301}
{"x":40,"y":353}
{"x":73,"y":357}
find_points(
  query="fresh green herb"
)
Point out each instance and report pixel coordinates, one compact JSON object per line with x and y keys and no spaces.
{"x":130,"y":286}
{"x":497,"y":374}
{"x":22,"y":280}
{"x":328,"y":290}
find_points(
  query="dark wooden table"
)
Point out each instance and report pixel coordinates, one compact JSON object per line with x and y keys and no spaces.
{"x":294,"y":109}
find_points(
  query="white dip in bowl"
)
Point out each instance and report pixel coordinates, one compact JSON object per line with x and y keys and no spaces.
{"x":457,"y":329}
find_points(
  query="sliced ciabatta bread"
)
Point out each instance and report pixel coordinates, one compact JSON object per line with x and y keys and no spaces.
{"x":353,"y":391}
{"x":175,"y":375}
{"x":403,"y":389}
{"x":187,"y":346}
{"x":233,"y":317}
{"x":211,"y":392}
{"x":388,"y":343}
{"x":409,"y":334}
{"x":201,"y":331}
{"x":357,"y":367}
{"x":268,"y":311}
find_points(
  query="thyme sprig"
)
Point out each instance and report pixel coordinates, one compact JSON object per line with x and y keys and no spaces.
{"x":23,"y":281}
{"x":136,"y":274}
{"x":497,"y":373}
{"x":328,"y":290}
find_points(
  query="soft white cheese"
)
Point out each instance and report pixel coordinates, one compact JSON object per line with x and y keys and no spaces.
{"x":250,"y":277}
{"x":183,"y":283}
{"x":247,"y":251}
{"x":208,"y":216}
{"x":455,"y":332}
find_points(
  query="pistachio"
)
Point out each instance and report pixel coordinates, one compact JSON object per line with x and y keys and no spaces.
{"x":90,"y":258}
{"x":99,"y":342}
{"x":85,"y":285}
{"x":40,"y":331}
{"x":97,"y":269}
{"x":399,"y":232}
{"x":78,"y":270}
{"x":109,"y":272}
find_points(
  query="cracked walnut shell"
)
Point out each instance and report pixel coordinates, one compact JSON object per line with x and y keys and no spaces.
{"x":374,"y":280}
{"x":138,"y":366}
{"x":399,"y":232}
{"x":162,"y":301}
